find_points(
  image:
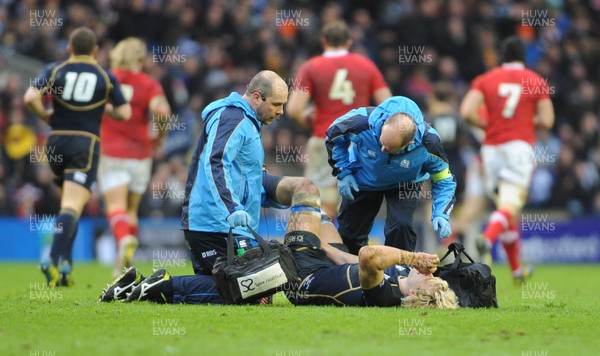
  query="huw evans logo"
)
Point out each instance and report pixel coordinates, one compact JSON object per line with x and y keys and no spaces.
{"x":414,"y":55}
{"x":167,"y":55}
{"x":45,"y":19}
{"x":537,"y":18}
{"x":285,"y":18}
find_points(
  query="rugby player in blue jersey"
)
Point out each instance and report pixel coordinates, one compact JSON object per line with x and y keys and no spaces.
{"x":81,"y":91}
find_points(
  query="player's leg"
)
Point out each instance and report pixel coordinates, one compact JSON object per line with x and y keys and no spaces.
{"x":161,"y":287}
{"x":305,"y":208}
{"x":356,"y":218}
{"x":319,"y":172}
{"x":493,"y":162}
{"x":79,"y":155}
{"x":139,"y":171}
{"x":401,"y":205}
{"x":114,"y":180}
{"x":330,"y":234}
{"x":74,"y":197}
{"x":473,"y":207}
{"x":512,"y":196}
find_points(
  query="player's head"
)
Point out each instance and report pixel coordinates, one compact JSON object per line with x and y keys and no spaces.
{"x":427,"y":291}
{"x":129,"y":54}
{"x":397,"y":133}
{"x":513,"y":50}
{"x":336,"y":34}
{"x":82,"y":41}
{"x":267,"y":93}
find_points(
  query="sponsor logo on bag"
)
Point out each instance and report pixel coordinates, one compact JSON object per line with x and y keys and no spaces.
{"x":269,"y":278}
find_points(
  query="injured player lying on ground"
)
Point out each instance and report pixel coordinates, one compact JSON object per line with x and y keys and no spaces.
{"x":379,"y":276}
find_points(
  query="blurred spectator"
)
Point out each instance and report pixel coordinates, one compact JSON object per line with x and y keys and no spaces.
{"x":224,"y":40}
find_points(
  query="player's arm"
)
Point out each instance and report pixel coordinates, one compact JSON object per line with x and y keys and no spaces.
{"x":159,"y":107}
{"x":469,"y":108}
{"x":120,"y":113}
{"x":545,"y":114}
{"x":378,"y":87}
{"x":119,"y":109}
{"x":33,"y":100}
{"x":381,"y":95}
{"x":33,"y":96}
{"x":443,"y":183}
{"x":296,"y":107}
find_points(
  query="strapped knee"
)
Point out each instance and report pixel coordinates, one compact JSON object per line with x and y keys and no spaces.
{"x":308,"y":200}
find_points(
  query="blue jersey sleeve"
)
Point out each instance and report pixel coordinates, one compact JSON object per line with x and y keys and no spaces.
{"x":225,"y":139}
{"x":340,"y":135}
{"x":443,"y":182}
{"x":44,"y":81}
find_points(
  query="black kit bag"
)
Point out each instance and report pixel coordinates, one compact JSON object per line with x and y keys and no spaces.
{"x":473,"y":282}
{"x":258,"y":273}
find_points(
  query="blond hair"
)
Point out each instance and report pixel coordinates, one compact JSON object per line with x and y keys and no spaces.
{"x":128,"y":54}
{"x":439,"y":296}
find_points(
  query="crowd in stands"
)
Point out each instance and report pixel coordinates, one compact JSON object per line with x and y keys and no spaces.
{"x":202,"y":50}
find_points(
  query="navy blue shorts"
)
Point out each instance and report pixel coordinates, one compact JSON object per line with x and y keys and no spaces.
{"x":73,"y":156}
{"x":205,"y":247}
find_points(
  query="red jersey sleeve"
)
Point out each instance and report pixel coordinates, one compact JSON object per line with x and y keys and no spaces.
{"x":155,"y":89}
{"x":377,"y":81}
{"x":304,"y":82}
{"x":477,"y":83}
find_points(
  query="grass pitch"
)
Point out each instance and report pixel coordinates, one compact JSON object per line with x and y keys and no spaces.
{"x":556,"y":313}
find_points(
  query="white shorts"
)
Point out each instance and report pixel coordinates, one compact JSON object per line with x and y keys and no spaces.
{"x":319,"y":171}
{"x":475,"y":185}
{"x":512,"y":162}
{"x":114,"y":172}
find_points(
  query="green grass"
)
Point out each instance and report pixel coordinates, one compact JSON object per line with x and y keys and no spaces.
{"x":557,"y":316}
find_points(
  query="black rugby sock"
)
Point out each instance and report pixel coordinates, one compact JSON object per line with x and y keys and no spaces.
{"x":64,"y":234}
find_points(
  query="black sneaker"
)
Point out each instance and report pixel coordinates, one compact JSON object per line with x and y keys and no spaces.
{"x":122,"y":285}
{"x":51,"y":273}
{"x":66,"y":277}
{"x":150,"y":288}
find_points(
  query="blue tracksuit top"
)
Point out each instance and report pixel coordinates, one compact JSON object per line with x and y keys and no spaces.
{"x":225,"y":173}
{"x":354,"y":148}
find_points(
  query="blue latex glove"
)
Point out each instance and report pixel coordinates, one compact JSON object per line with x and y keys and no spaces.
{"x":239,"y":218}
{"x":346,"y":185}
{"x":443,"y":226}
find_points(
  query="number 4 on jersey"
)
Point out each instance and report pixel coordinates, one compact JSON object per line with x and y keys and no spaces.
{"x":341,"y":88}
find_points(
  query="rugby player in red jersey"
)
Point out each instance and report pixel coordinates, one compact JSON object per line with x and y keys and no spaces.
{"x":127,"y":147}
{"x":517,"y":101}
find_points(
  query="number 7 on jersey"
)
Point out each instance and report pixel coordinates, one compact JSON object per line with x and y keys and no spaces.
{"x":512,"y":92}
